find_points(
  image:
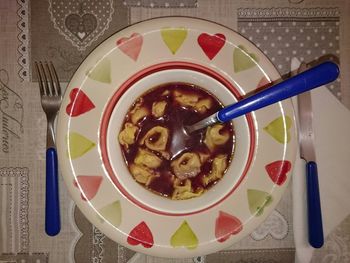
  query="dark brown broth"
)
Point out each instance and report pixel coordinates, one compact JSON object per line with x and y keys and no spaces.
{"x":174,"y":119}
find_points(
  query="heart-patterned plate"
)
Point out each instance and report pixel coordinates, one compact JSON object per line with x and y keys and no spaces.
{"x":106,"y":74}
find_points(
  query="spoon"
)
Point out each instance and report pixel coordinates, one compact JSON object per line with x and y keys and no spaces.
{"x":305,"y":81}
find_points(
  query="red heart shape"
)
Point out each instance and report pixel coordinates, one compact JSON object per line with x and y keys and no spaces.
{"x":226,"y":225}
{"x":141,"y":234}
{"x":79,"y":103}
{"x":278,"y":171}
{"x":211,"y":45}
{"x":131,"y":46}
{"x":88,"y":185}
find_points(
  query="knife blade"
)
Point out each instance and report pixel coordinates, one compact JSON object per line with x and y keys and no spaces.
{"x":307,"y":152}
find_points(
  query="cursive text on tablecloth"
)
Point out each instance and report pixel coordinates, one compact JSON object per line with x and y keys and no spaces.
{"x":11,"y":108}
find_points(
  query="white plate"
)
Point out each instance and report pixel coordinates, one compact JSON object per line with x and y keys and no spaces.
{"x":94,"y":106}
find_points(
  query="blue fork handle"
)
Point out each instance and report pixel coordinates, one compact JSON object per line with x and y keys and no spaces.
{"x":315,"y":226}
{"x":307,"y":80}
{"x":52,"y":206}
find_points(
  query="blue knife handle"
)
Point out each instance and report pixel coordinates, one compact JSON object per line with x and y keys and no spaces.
{"x":307,"y":80}
{"x":52,"y":206}
{"x":316,"y":238}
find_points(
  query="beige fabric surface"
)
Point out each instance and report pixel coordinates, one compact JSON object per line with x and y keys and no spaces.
{"x":22,"y":147}
{"x":65,"y":42}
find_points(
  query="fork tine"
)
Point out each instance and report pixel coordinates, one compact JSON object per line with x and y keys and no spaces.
{"x":50,"y":78}
{"x":55,"y":78}
{"x":40,"y":79}
{"x":47,"y":90}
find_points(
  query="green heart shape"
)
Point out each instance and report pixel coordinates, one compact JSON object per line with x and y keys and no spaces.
{"x":102,"y":71}
{"x":78,"y":145}
{"x":174,"y":37}
{"x":243,"y":60}
{"x":184,"y":236}
{"x":111,"y":213}
{"x":279,"y":129}
{"x":258,"y":200}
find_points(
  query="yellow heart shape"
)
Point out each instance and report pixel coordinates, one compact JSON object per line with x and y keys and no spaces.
{"x":184,"y":236}
{"x":174,"y":37}
{"x":111,"y":213}
{"x":243,"y":60}
{"x":78,"y":145}
{"x":101,"y":72}
{"x":279,"y":129}
{"x":258,"y":200}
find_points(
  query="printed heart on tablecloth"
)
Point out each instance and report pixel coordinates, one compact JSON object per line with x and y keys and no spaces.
{"x":278,"y":171}
{"x":111,"y":213}
{"x":81,"y":25}
{"x":174,"y":37}
{"x":79,"y":103}
{"x":88,"y":185}
{"x":279,"y":129}
{"x":211,"y":44}
{"x":83,"y":22}
{"x":258,"y":200}
{"x":243,"y":60}
{"x":78,"y":145}
{"x":184,"y":237}
{"x":101,"y":72}
{"x":141,"y":234}
{"x":131,"y":46}
{"x":275,"y":226}
{"x":226,"y":225}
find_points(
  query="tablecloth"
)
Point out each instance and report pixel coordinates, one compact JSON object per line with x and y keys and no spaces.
{"x":41,"y":30}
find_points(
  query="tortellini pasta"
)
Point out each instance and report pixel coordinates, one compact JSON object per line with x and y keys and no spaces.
{"x":214,"y":136}
{"x":142,"y":174}
{"x":184,"y":191}
{"x":158,"y":108}
{"x":160,"y":157}
{"x":127,"y":135}
{"x":185,"y":99}
{"x":147,"y":158}
{"x":203,"y":105}
{"x":219,"y":166}
{"x":192,"y":100}
{"x":156,"y":138}
{"x":188,"y":165}
{"x":165,"y":92}
{"x":138,"y":112}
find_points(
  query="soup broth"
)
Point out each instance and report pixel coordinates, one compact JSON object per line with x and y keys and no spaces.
{"x":164,"y":159}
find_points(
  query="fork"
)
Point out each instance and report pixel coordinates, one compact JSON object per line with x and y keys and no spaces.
{"x":50,"y":93}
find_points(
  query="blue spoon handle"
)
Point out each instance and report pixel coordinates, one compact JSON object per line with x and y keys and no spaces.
{"x":52,"y":206}
{"x":310,"y":79}
{"x":314,"y":206}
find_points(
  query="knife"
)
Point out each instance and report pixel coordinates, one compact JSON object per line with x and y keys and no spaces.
{"x":307,"y":153}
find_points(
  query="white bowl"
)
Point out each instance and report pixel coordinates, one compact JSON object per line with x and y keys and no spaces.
{"x":148,"y":200}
